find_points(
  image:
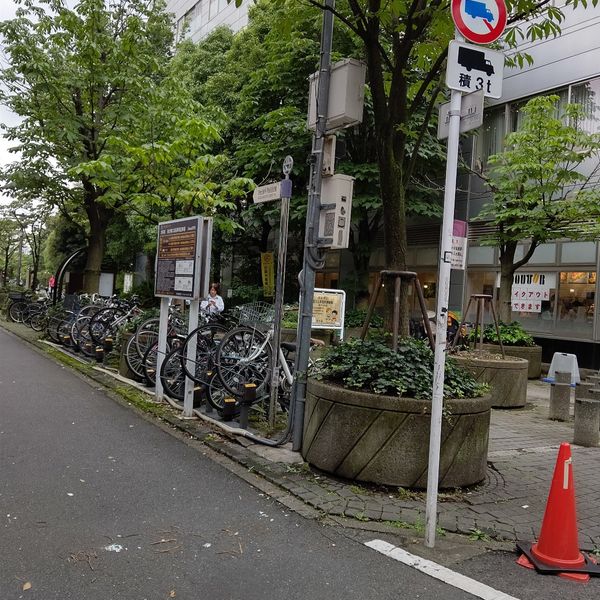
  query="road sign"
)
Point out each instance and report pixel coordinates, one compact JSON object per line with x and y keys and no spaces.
{"x":267,"y":193}
{"x":471,"y":114}
{"x":288,"y":165}
{"x":471,"y":68}
{"x":480,"y":21}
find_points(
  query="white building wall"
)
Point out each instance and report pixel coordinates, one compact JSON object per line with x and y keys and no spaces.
{"x":203,"y":16}
{"x":571,"y":57}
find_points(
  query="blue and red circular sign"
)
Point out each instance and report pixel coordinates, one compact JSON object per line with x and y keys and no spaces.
{"x":479,"y":21}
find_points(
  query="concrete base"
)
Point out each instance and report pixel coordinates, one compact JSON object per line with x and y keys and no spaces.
{"x":384,"y":439}
{"x":507,"y":378}
{"x":533,"y":355}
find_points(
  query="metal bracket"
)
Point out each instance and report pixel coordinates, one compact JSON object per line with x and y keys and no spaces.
{"x":329,"y":206}
{"x":454,"y":113}
{"x":447,"y":254}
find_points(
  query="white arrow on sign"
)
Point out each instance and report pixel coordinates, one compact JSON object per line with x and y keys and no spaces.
{"x":267,"y":193}
{"x":471,"y":114}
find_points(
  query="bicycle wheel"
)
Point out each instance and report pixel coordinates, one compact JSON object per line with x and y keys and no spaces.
{"x":17,"y":310}
{"x":54,"y":321}
{"x":215,"y":392}
{"x":243,"y":356}
{"x":38,"y":321}
{"x":101,"y":322}
{"x":146,"y":335}
{"x":135,"y":362}
{"x":149,"y":364}
{"x":207,"y":338}
{"x":172,"y":375}
{"x":81,"y":336}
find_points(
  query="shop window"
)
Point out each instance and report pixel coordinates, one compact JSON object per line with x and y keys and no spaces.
{"x":480,"y":282}
{"x":578,"y":252}
{"x":576,"y":303}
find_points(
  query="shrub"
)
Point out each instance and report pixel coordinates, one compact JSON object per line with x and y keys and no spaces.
{"x":357,"y":316}
{"x":373,"y":367}
{"x":511,"y":334}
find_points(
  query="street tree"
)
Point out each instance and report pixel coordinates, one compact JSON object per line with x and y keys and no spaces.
{"x":405,"y":45}
{"x":74,"y":77}
{"x":10,"y":239}
{"x":544,"y":187}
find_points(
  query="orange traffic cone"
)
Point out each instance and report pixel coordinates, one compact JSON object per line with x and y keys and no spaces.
{"x":557,"y":548}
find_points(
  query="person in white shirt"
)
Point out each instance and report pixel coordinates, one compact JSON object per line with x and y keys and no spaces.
{"x":214,"y":303}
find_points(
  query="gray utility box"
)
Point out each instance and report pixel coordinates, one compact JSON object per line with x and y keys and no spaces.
{"x":346,"y":95}
{"x":336,"y":203}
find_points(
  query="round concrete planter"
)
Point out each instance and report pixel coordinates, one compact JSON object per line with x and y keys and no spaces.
{"x":533,"y":354}
{"x":507,"y":378}
{"x":385,"y":439}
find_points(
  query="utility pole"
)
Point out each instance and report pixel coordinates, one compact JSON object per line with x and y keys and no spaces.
{"x":313,"y":257}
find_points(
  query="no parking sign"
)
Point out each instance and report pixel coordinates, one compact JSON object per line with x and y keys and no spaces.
{"x":479,"y":21}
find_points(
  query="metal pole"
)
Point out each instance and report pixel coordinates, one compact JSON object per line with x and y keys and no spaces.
{"x":191,"y":358}
{"x":312,"y":256}
{"x":279,"y":289}
{"x":20,"y":261}
{"x":163,"y":326}
{"x":441,"y":322}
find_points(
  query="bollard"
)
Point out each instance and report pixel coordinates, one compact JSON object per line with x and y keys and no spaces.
{"x":199,"y":398}
{"x":107,"y":345}
{"x":582,"y":389}
{"x":229,"y":406}
{"x":99,"y":354}
{"x":562,"y":377}
{"x":247,"y":400}
{"x":560,"y":401}
{"x":587,"y":422}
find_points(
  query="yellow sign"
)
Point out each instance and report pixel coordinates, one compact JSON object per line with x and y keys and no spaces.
{"x":327,"y":310}
{"x":268,"y":273}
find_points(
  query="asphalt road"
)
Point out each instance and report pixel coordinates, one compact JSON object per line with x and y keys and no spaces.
{"x":98,"y":503}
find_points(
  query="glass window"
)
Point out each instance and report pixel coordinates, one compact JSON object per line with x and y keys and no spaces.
{"x":576,"y":303}
{"x":588,"y":95}
{"x":543,"y":254}
{"x":482,"y":282}
{"x":491,"y":137}
{"x":578,"y":252}
{"x":481,"y":255}
{"x":214,"y":8}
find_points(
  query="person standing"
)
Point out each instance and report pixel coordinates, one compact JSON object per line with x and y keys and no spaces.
{"x":214,"y":304}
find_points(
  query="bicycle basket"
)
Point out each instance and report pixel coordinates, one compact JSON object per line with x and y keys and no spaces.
{"x":256,"y":313}
{"x":16,"y":295}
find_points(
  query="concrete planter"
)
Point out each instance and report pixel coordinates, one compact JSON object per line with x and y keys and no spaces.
{"x":533,"y":354}
{"x":384,"y":439}
{"x":507,"y":378}
{"x":289,"y":335}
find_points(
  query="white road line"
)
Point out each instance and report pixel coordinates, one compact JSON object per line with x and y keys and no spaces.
{"x":471,"y":586}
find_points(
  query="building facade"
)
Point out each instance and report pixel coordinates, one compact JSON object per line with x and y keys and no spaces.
{"x":195,"y":19}
{"x":569,"y":67}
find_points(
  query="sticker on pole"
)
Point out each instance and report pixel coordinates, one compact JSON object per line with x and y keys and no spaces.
{"x":480,"y":21}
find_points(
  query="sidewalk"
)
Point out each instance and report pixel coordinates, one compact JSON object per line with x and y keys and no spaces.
{"x":508,"y":505}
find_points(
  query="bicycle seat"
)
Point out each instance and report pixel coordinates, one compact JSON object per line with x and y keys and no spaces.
{"x":289,"y":346}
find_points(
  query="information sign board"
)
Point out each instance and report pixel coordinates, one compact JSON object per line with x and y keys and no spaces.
{"x":329,"y":307}
{"x":178,"y":258}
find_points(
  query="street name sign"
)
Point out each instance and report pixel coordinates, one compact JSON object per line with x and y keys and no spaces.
{"x":273,"y":191}
{"x":479,"y":21}
{"x":471,"y":68}
{"x":471,"y":114}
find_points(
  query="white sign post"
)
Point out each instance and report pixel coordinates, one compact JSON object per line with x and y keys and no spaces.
{"x":489,"y":72}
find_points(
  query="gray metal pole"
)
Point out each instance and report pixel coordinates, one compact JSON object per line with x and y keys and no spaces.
{"x":312,"y":256}
{"x":279,"y":289}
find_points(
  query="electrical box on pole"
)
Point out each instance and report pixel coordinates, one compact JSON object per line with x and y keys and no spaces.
{"x":336,"y":211}
{"x":346,"y":95}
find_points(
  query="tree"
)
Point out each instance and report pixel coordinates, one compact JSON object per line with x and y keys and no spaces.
{"x":10,"y":239}
{"x":405,"y":45}
{"x":544,"y":186}
{"x":74,"y":77}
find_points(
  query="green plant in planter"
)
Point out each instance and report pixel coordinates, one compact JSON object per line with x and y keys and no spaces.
{"x":373,"y":367}
{"x":356,"y":318}
{"x":511,"y":334}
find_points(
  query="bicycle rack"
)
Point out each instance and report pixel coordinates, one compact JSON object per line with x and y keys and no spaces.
{"x":482,"y":300}
{"x":400,"y":277}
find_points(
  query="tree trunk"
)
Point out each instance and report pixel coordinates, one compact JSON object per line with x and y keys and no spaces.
{"x":507,"y":270}
{"x":394,"y":227}
{"x":99,"y":218}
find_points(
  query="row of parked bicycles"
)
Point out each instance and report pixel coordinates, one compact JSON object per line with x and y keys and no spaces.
{"x":220,"y":356}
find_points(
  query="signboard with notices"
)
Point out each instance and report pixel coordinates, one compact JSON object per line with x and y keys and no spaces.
{"x":329,"y":307}
{"x":459,"y":245}
{"x":182,"y":258}
{"x":529,"y":290}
